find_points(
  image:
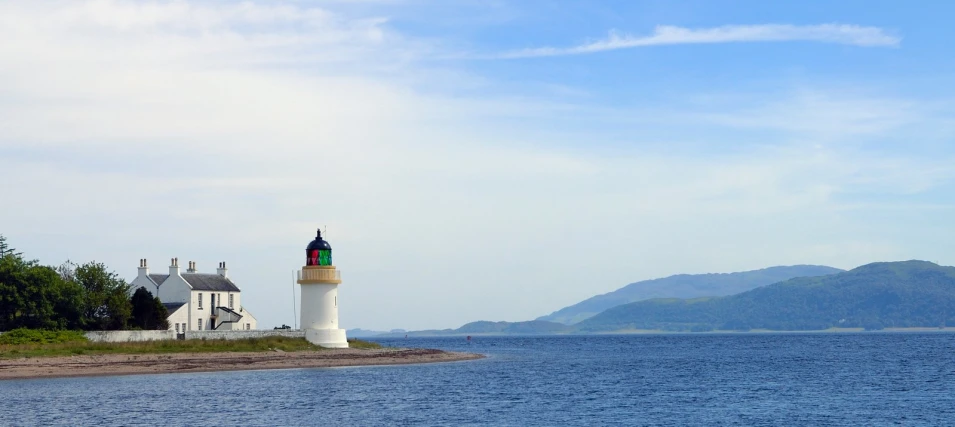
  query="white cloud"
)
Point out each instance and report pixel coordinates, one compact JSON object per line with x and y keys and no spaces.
{"x":832,"y":112}
{"x":671,"y":35}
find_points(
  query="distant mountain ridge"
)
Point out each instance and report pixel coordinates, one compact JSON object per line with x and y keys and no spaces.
{"x":685,"y":286}
{"x":873,"y":296}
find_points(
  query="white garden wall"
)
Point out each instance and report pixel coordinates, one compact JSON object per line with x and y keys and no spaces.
{"x":133,"y":336}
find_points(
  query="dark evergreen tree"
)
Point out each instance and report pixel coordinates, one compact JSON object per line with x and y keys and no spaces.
{"x":160,"y":315}
{"x":6,"y":250}
{"x":143,"y":308}
{"x":148,"y":312}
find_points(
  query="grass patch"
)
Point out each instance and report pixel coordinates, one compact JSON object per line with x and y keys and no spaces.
{"x":153,"y":347}
{"x":362,"y":344}
{"x":39,"y":336}
{"x":40,"y":343}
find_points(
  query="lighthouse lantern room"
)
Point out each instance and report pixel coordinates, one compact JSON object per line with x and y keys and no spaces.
{"x":319,"y":280}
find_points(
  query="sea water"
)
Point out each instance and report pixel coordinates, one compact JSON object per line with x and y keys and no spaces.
{"x":732,"y":379}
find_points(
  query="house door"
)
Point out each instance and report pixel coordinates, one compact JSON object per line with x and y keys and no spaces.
{"x":212,"y":306}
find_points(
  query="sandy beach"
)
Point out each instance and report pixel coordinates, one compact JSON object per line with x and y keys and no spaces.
{"x":133,"y":364}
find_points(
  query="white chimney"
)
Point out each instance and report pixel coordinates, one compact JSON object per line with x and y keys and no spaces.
{"x":174,"y":267}
{"x":192,"y":267}
{"x":143,"y":268}
{"x":222,"y":270}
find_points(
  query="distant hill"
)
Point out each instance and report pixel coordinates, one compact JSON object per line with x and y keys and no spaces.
{"x":685,"y":286}
{"x":532,"y":327}
{"x":362,"y":333}
{"x":873,"y":296}
{"x":529,"y":327}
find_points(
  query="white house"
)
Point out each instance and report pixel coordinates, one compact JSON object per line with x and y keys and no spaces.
{"x":197,"y":301}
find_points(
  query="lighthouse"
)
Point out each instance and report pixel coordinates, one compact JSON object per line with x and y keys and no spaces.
{"x":319,"y":280}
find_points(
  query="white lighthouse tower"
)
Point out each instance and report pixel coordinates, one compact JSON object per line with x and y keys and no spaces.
{"x":319,"y":281}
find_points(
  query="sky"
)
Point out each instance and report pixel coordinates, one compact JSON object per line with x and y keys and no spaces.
{"x":475,"y":160}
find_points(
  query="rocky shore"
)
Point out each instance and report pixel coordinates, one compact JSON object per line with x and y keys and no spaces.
{"x":134,"y":364}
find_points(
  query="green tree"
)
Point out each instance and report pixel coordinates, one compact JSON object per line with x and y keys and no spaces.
{"x":35,"y":296}
{"x":147,"y":311}
{"x":105,"y":303}
{"x":53,"y":302}
{"x":12,"y":302}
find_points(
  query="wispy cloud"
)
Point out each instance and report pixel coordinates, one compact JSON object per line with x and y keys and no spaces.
{"x":668,"y":35}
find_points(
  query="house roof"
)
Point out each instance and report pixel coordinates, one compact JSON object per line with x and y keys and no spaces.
{"x":201,"y":282}
{"x":171,"y":307}
{"x":158,"y":278}
{"x":210,"y":282}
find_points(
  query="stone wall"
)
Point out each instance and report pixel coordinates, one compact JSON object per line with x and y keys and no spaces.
{"x":129,"y":336}
{"x":133,"y":336}
{"x":238,"y":335}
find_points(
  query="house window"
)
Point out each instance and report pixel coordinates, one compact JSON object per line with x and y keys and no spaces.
{"x":177,"y":328}
{"x":199,"y":324}
{"x":200,"y":300}
{"x":248,"y":326}
{"x":230,"y":301}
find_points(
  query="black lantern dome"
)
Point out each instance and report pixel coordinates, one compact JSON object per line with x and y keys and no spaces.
{"x":318,"y":252}
{"x":319,"y":243}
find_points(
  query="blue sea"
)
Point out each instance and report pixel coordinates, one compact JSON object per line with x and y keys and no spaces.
{"x":734,"y":379}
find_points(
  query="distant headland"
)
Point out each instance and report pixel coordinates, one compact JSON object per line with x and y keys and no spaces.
{"x":892,"y":296}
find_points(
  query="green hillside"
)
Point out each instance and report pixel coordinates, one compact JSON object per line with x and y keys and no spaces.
{"x":685,"y":286}
{"x":874,"y":296}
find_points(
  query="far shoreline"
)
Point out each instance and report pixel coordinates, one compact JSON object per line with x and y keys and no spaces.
{"x":949,"y":329}
{"x":776,"y":331}
{"x":164,"y":363}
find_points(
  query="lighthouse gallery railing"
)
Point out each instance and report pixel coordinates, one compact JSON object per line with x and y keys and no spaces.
{"x":319,"y":274}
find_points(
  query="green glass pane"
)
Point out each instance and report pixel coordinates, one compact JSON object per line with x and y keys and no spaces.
{"x":325,"y":257}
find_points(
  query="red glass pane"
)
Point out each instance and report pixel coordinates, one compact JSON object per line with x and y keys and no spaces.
{"x":312,"y":257}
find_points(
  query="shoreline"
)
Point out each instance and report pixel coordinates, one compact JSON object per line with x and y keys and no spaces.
{"x":777,"y":331}
{"x":916,"y":329}
{"x":164,"y":363}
